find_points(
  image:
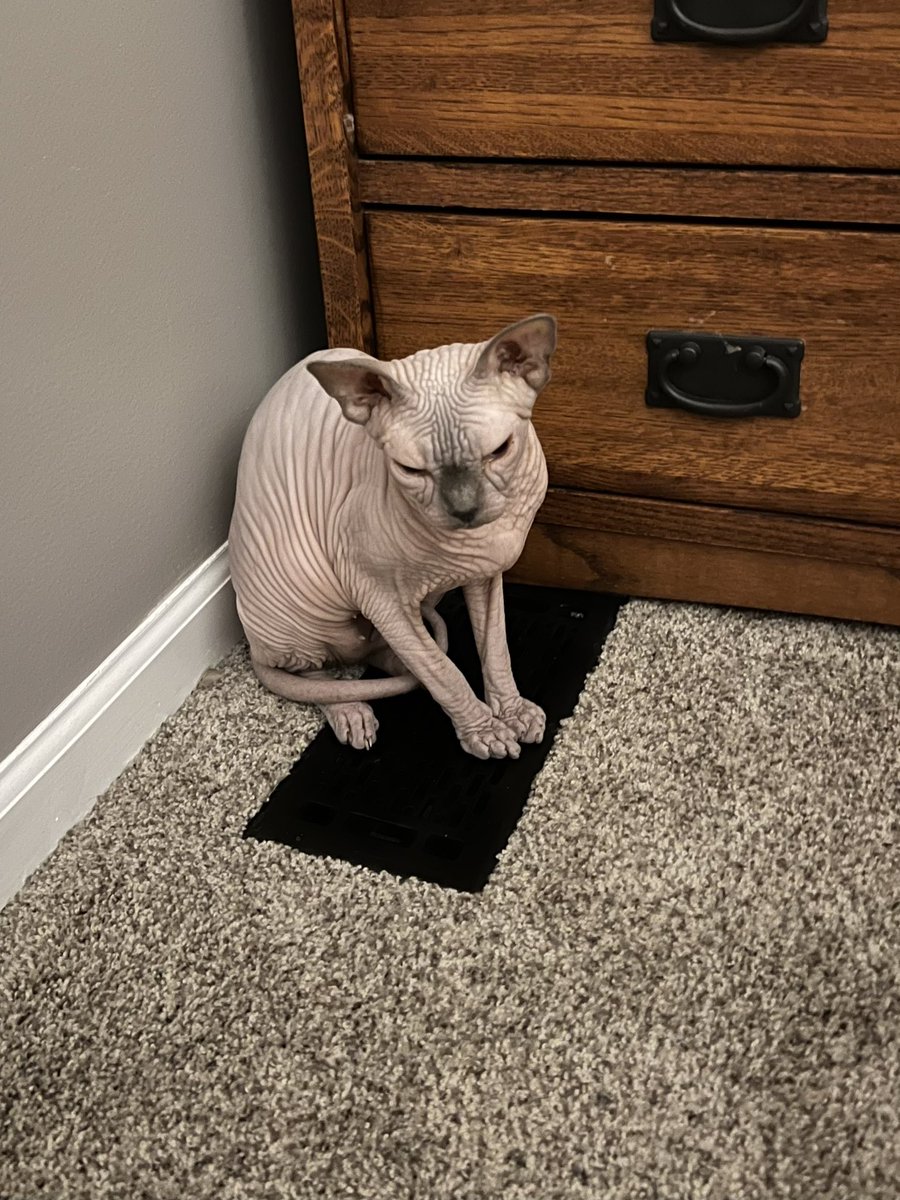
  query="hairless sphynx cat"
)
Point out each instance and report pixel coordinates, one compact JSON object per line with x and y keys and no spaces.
{"x":352,"y":519}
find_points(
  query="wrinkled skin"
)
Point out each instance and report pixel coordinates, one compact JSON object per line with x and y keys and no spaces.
{"x":366,"y":490}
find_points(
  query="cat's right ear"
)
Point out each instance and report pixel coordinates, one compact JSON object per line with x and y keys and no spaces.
{"x":358,"y":384}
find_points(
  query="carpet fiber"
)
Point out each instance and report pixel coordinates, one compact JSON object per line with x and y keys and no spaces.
{"x":683,"y":979}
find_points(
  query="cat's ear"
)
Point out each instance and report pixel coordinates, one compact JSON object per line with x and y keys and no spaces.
{"x":523,"y":349}
{"x":358,"y":384}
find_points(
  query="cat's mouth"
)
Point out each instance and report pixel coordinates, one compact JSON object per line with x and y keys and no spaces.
{"x":463,"y":521}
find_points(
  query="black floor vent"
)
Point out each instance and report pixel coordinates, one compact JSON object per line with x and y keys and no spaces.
{"x":416,"y":804}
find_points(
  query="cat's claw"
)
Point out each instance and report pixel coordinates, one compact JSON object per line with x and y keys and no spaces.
{"x":354,"y":723}
{"x":492,"y":738}
{"x":525,"y":719}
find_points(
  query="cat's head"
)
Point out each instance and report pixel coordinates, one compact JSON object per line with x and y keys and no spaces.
{"x":453,"y":422}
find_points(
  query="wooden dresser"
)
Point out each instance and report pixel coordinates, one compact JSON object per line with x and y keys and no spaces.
{"x":713,"y":214}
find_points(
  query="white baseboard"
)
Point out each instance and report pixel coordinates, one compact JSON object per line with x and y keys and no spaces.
{"x":51,"y":780}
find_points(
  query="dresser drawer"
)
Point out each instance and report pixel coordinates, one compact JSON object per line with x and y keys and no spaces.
{"x":442,"y":278}
{"x":582,"y":79}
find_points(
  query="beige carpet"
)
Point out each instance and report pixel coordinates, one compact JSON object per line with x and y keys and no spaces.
{"x":682,"y":981}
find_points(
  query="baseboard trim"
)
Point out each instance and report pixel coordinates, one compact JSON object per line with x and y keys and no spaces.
{"x":52,"y":778}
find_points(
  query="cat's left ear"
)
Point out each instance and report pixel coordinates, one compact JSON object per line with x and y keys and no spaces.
{"x":358,"y":384}
{"x":523,"y":350}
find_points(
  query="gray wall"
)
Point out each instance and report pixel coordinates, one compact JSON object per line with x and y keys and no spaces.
{"x":157,"y":274}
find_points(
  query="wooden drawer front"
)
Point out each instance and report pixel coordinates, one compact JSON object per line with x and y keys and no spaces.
{"x":581,"y":79}
{"x":660,"y":548}
{"x":439,"y":278}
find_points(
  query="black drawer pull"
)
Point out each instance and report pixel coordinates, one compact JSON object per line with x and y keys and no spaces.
{"x":735,"y":377}
{"x":755,"y":21}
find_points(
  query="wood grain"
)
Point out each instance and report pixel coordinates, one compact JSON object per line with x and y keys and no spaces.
{"x":327,"y":110}
{"x":770,"y":195}
{"x":440,"y":278}
{"x":715,"y":556}
{"x":734,"y":529}
{"x":642,"y":566}
{"x":581,"y":79}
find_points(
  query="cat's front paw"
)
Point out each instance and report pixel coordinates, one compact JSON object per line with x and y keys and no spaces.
{"x":526,"y":720}
{"x":489,"y":738}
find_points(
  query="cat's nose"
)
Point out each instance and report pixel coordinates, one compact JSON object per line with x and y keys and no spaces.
{"x":465,"y":515}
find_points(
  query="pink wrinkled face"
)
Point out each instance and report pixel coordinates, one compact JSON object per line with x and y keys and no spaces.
{"x":454,"y":423}
{"x":454,"y":456}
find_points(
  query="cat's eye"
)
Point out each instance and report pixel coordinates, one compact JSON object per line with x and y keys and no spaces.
{"x":410,"y":470}
{"x":501,"y":450}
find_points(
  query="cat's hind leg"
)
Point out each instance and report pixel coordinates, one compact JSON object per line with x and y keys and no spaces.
{"x":353,"y":721}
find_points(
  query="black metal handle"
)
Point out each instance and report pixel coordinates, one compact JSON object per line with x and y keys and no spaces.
{"x":755,"y":360}
{"x":807,"y":21}
{"x":758,"y":33}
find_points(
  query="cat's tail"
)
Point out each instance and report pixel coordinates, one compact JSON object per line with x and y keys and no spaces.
{"x":331,"y":691}
{"x":306,"y":690}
